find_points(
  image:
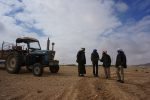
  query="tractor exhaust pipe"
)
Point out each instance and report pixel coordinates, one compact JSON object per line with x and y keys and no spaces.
{"x":48,"y":44}
{"x":2,"y":45}
{"x":53,"y":46}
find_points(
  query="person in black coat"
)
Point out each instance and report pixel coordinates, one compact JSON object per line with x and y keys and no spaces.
{"x":106,"y":63}
{"x":120,"y":65}
{"x":81,"y":60}
{"x":94,"y":59}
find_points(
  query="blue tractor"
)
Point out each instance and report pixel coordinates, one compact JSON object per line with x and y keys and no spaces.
{"x":27,"y":52}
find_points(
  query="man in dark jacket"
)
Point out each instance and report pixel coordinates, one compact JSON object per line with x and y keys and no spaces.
{"x":81,"y":60}
{"x":106,"y":63}
{"x":94,"y":59}
{"x":120,"y":65}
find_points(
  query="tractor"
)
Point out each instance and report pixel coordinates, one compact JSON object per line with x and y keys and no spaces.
{"x":27,"y":52}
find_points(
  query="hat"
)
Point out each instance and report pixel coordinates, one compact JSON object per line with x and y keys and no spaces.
{"x":119,"y":50}
{"x":104,"y":51}
{"x":82,"y":48}
{"x":95,"y":50}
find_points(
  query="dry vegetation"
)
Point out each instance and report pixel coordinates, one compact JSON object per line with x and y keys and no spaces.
{"x":66,"y":85}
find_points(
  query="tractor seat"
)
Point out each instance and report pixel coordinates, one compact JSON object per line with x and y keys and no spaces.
{"x":17,"y":47}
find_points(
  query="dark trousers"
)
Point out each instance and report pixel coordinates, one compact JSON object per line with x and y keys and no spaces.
{"x":81,"y":68}
{"x":95,"y":68}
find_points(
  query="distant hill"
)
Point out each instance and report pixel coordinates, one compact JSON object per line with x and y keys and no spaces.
{"x":147,"y":64}
{"x":68,"y":65}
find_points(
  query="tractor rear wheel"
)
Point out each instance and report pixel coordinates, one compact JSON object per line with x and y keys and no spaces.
{"x":13,"y":64}
{"x":54,"y":68}
{"x":37,"y":69}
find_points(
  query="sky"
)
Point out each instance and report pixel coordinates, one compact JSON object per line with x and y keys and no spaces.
{"x":73,"y":24}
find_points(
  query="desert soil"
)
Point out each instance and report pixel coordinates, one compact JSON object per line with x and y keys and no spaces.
{"x":66,"y":85}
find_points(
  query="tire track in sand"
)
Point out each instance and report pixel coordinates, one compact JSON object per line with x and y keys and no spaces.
{"x":101,"y":89}
{"x":83,"y":89}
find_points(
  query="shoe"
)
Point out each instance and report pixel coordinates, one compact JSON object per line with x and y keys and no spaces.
{"x":121,"y":81}
{"x":96,"y":75}
{"x":82,"y":75}
{"x":118,"y":80}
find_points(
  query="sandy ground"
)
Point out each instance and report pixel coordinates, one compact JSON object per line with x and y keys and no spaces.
{"x":66,"y":85}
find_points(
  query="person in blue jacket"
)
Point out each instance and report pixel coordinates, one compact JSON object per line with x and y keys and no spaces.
{"x":94,"y":59}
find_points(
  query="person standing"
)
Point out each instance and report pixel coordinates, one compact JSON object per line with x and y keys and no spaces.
{"x":106,"y":63}
{"x":81,"y":60}
{"x":94,"y":59}
{"x":120,"y":65}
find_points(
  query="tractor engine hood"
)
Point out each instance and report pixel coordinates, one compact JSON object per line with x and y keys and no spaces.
{"x":49,"y":53}
{"x":39,"y":52}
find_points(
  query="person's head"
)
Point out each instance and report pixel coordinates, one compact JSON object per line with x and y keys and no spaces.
{"x":119,"y":50}
{"x":82,"y":49}
{"x":94,"y":50}
{"x":104,"y":52}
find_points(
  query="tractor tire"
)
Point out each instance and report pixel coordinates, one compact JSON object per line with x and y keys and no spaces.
{"x":54,"y":68}
{"x":29,"y":68}
{"x":37,"y":69}
{"x":13,"y":63}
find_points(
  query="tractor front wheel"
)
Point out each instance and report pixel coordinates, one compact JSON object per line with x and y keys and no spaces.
{"x":54,"y":68}
{"x":37,"y":69}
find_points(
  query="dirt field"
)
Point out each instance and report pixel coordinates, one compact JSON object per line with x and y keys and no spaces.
{"x":66,"y":85}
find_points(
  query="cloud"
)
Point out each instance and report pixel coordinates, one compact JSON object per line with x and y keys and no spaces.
{"x":142,"y":4}
{"x":73,"y":24}
{"x":133,"y":38}
{"x":121,"y":7}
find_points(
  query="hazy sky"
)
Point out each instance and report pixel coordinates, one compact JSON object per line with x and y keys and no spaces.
{"x":72,"y":24}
